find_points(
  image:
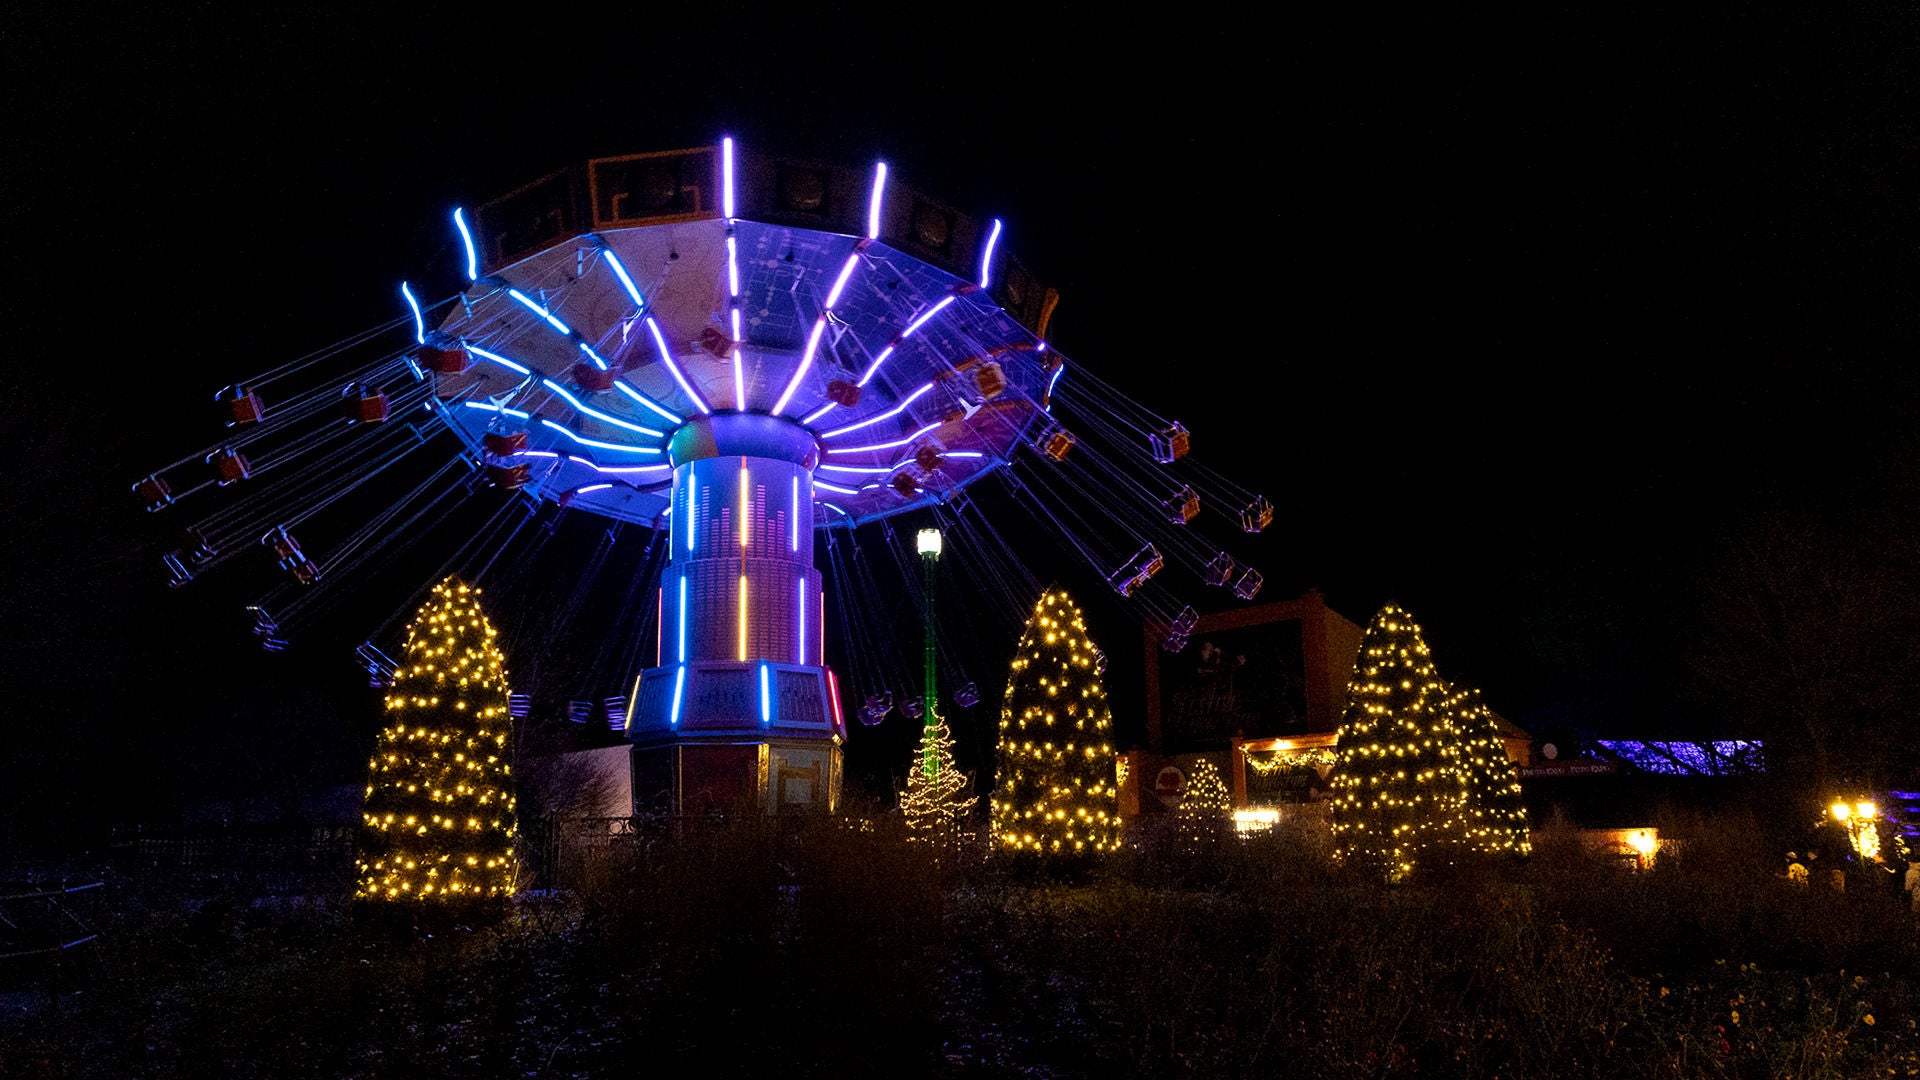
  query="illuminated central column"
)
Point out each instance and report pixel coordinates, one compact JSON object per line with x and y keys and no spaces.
{"x":739,"y":708}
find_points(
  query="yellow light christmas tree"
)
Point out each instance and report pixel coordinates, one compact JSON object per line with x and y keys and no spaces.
{"x":1398,"y":785}
{"x":1495,"y":820}
{"x":1056,"y":795}
{"x":439,"y":820}
{"x":938,"y":795}
{"x":1201,"y":820}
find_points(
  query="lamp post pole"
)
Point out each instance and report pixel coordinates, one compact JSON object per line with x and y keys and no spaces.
{"x":928,"y":543}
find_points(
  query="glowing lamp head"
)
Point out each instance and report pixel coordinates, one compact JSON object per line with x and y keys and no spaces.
{"x":1865,"y":809}
{"x":1841,"y":811}
{"x":1641,"y":840}
{"x":928,"y":542}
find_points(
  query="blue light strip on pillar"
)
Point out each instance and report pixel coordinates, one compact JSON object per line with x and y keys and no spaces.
{"x":766,"y":699}
{"x":679,"y":687}
{"x":666,"y":357}
{"x":466,"y":238}
{"x":680,"y":643}
{"x":419,"y":320}
{"x":986,"y":258}
{"x":540,"y":310}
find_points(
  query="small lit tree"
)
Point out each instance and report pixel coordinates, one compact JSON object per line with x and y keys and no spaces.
{"x":1398,"y":788}
{"x":439,"y":820}
{"x":938,"y":795}
{"x":1495,"y":820}
{"x":1056,"y":795}
{"x":1201,"y":820}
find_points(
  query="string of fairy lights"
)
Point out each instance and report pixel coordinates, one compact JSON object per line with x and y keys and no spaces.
{"x":1057,"y":793}
{"x":1421,"y":771}
{"x":439,"y":819}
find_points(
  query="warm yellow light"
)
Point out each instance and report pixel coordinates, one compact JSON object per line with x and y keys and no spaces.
{"x":1642,"y":841}
{"x":1841,"y":811}
{"x":1866,"y":809}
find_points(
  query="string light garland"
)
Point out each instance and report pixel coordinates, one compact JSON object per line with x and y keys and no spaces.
{"x":936,"y":800}
{"x":439,"y":820}
{"x":1399,"y":788}
{"x":1056,"y":794}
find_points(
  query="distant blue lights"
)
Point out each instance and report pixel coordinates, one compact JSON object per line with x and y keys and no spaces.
{"x":498,"y":359}
{"x":766,"y":697}
{"x":1725,"y":757}
{"x":626,"y":281}
{"x":679,"y":690}
{"x":986,"y":257}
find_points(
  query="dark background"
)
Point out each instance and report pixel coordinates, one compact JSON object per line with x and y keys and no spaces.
{"x":1520,"y":318}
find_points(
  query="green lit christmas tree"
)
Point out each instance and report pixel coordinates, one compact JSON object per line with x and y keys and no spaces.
{"x":1399,"y":789}
{"x":938,"y":795}
{"x":439,"y":820}
{"x":1495,"y":820}
{"x":1055,"y":796}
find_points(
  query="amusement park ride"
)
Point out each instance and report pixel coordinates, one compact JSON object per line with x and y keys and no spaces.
{"x":735,"y":352}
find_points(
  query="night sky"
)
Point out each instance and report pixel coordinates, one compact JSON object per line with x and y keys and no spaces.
{"x":1517,"y":319}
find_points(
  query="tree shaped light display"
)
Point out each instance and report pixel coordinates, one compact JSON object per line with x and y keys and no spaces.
{"x":1056,"y":794}
{"x":938,"y":795}
{"x":1398,"y":786}
{"x":439,"y":820}
{"x":1201,"y":820}
{"x":1495,"y":820}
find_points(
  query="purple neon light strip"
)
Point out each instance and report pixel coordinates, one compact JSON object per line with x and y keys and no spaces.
{"x":597,"y":444}
{"x":540,"y":310}
{"x":806,"y":361}
{"x":793,"y":517}
{"x":681,"y":644}
{"x":726,"y":178}
{"x":915,"y":325}
{"x":986,"y":258}
{"x":419,"y":320}
{"x":873,"y":202}
{"x":739,"y":377}
{"x":623,"y":470}
{"x":642,"y":399}
{"x":498,"y":359}
{"x":733,"y":268}
{"x":466,"y":239}
{"x":666,"y":357}
{"x":802,"y":609}
{"x":497,"y":408}
{"x":840,"y":283}
{"x":836,"y":489}
{"x":889,"y":414}
{"x":591,"y":488}
{"x":596,"y":413}
{"x":886,"y":445}
{"x":626,"y":282}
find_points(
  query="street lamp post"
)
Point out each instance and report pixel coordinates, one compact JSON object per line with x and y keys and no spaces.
{"x":928,"y":543}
